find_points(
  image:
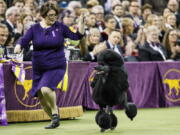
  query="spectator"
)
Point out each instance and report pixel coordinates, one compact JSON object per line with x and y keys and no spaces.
{"x":118,"y":13}
{"x":3,"y":7}
{"x":114,"y":42}
{"x":14,"y":26}
{"x":173,"y":6}
{"x":146,"y":11}
{"x":3,"y":37}
{"x":152,"y":50}
{"x":171,"y":44}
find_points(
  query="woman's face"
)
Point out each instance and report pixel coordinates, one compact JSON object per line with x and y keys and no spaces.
{"x":69,"y":19}
{"x":171,"y":20}
{"x":172,"y":36}
{"x":2,"y":9}
{"x":94,"y":38}
{"x":27,"y":19}
{"x":51,"y":17}
{"x":91,"y":20}
{"x":166,"y":12}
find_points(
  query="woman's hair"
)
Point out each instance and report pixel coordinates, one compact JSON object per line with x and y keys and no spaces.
{"x":45,"y":8}
{"x":126,"y":23}
{"x":166,"y":39}
{"x":108,"y":17}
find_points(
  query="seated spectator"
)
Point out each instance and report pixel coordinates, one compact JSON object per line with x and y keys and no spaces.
{"x":114,"y":42}
{"x":110,"y":25}
{"x":99,"y":12}
{"x":67,"y":17}
{"x":14,"y":26}
{"x":3,"y":37}
{"x":146,"y":11}
{"x":88,"y":43}
{"x":90,"y":22}
{"x":172,"y":44}
{"x":91,"y":3}
{"x":118,"y":13}
{"x":3,"y":7}
{"x":170,"y":22}
{"x":152,"y":50}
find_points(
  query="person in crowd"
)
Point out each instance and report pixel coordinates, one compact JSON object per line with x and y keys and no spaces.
{"x":90,"y":22}
{"x":3,"y":7}
{"x":14,"y":26}
{"x":48,"y":60}
{"x":146,"y":11}
{"x":99,"y":12}
{"x":91,"y":3}
{"x":3,"y":37}
{"x":67,"y":17}
{"x":152,"y":50}
{"x":172,"y":45}
{"x":118,"y":13}
{"x":114,"y":42}
{"x":174,"y":7}
{"x":75,"y":6}
{"x":134,"y":14}
{"x":110,"y":25}
{"x":27,"y":20}
{"x":19,"y":4}
{"x":88,"y":43}
{"x":170,"y":22}
{"x":166,"y":12}
{"x":157,"y":5}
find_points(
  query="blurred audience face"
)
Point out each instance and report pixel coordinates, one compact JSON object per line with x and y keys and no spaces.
{"x":111,"y":24}
{"x":99,"y":11}
{"x":156,"y":21}
{"x":166,"y":12}
{"x":172,"y":36}
{"x":173,"y":5}
{"x":51,"y":17}
{"x":94,"y":36}
{"x":152,"y":34}
{"x":171,"y":19}
{"x":128,"y":26}
{"x":114,"y":37}
{"x":69,"y":19}
{"x":118,"y":11}
{"x":19,"y":5}
{"x":146,"y":13}
{"x":134,"y":8}
{"x":91,"y":20}
{"x":3,"y":35}
{"x":14,"y":17}
{"x":27,"y":19}
{"x":2,"y":9}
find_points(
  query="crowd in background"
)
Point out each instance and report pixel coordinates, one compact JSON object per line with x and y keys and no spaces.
{"x":146,"y":30}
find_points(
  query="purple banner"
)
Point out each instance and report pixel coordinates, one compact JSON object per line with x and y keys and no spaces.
{"x":17,"y":97}
{"x":170,"y":80}
{"x":3,"y":117}
{"x":149,"y":86}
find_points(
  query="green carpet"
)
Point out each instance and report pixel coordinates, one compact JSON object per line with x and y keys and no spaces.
{"x":164,"y":121}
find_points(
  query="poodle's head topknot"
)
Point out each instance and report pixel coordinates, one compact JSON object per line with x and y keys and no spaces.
{"x":110,"y":57}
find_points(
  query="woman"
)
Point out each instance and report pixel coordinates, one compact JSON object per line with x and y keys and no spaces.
{"x":170,"y":43}
{"x":48,"y":58}
{"x":88,"y":43}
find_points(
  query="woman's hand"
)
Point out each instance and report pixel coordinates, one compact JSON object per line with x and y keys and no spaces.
{"x":17,"y":49}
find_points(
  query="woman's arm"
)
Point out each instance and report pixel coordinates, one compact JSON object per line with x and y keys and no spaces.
{"x":24,"y":41}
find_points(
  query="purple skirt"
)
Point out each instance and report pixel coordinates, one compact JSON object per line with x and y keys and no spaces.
{"x":49,"y":78}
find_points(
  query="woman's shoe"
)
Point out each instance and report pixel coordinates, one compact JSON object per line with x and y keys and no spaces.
{"x":55,"y":122}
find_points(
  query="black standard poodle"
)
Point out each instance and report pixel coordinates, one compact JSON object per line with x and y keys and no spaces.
{"x":110,"y":87}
